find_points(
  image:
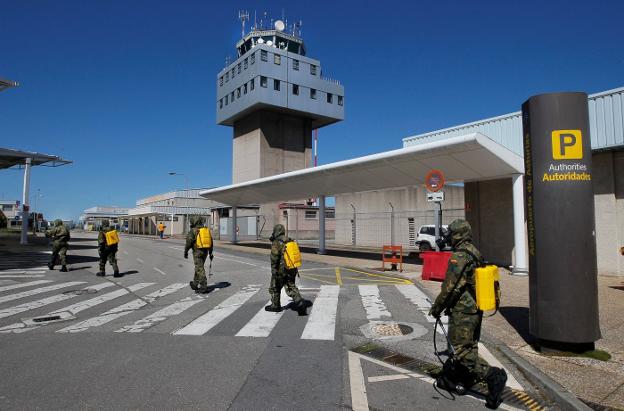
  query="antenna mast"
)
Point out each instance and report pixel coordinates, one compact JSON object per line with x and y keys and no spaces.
{"x":243,"y":15}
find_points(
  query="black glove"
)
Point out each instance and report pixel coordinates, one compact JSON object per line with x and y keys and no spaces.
{"x":186,"y":255}
{"x":435,"y":311}
{"x":211,"y":257}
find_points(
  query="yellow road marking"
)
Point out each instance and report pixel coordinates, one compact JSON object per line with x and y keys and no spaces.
{"x":312,"y":277}
{"x":378,"y":281}
{"x":400,"y":280}
{"x":338,"y":276}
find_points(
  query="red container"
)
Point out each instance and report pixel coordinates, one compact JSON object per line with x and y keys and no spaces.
{"x":435,"y":264}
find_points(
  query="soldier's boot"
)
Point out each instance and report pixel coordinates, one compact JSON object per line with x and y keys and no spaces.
{"x":64,"y":269}
{"x":193,"y":285}
{"x":272,"y":308}
{"x":51,"y":267}
{"x":202,"y":289}
{"x":100,"y":273}
{"x":495,"y":379}
{"x":302,"y":307}
{"x":117,"y":274}
{"x":275,"y":306}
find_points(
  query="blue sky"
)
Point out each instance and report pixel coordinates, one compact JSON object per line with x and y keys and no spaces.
{"x":127,"y":89}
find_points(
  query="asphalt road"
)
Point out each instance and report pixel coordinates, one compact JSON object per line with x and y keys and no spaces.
{"x":146,"y":341}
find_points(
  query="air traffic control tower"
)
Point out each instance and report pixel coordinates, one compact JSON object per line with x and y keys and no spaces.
{"x":273,"y":95}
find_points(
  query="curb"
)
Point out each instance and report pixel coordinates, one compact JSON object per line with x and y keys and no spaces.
{"x":564,"y":398}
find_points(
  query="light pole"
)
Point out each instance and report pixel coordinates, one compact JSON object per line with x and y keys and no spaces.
{"x":173,"y":173}
{"x":36,"y":222}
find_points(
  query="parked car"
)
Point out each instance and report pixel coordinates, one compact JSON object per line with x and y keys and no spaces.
{"x":426,"y":237}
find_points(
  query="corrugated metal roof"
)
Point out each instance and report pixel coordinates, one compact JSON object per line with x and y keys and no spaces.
{"x":606,"y":125}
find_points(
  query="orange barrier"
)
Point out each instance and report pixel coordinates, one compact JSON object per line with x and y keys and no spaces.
{"x":389,"y":255}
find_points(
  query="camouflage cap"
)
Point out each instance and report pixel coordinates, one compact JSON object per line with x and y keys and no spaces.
{"x":196,"y":221}
{"x":105,"y":223}
{"x":58,"y":222}
{"x":278,"y":231}
{"x":460,"y":231}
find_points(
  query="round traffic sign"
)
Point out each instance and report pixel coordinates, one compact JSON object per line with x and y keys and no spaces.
{"x":434,"y":181}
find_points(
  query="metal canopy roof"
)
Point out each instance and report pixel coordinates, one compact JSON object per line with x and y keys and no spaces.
{"x":471,"y":157}
{"x":10,"y":158}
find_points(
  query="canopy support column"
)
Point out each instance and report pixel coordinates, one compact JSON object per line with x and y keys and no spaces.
{"x":321,"y":249}
{"x":521,"y":264}
{"x":234,"y":226}
{"x":25,"y":202}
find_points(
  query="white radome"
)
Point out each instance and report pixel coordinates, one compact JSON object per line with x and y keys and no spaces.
{"x":279,"y":25}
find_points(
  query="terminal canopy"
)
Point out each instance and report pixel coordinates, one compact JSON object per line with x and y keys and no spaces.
{"x":472,"y":157}
{"x":10,"y":158}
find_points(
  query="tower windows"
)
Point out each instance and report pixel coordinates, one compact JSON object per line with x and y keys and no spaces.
{"x":245,"y":63}
{"x":295,"y":89}
{"x":227,"y":76}
{"x":252,"y":58}
{"x":251,"y":84}
{"x":238,"y":92}
{"x":313,"y":69}
{"x":220,"y":81}
{"x":276,"y":85}
{"x":239,"y":68}
{"x":263,"y":81}
{"x":277,"y":59}
{"x":245,"y":88}
{"x":221,"y":103}
{"x":264,"y":56}
{"x":340,"y":102}
{"x":233,"y":72}
{"x":296,"y":65}
{"x":330,"y":98}
{"x":313,"y":93}
{"x":226,"y":99}
{"x":232,"y":96}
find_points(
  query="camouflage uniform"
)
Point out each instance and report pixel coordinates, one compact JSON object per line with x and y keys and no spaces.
{"x":282,"y":276}
{"x":199,"y":283}
{"x":60,"y":236}
{"x":458,"y":299}
{"x":107,"y":252}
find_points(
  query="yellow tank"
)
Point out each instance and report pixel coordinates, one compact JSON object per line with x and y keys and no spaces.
{"x":292,"y":255}
{"x":204,"y":238}
{"x":112,"y":237}
{"x":486,"y":287}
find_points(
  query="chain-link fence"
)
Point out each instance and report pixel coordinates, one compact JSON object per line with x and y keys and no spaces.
{"x":373,"y":229}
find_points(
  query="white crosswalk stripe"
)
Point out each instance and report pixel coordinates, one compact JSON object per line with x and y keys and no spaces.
{"x":264,"y":321}
{"x":206,"y":322}
{"x":7,"y":312}
{"x":121,"y":311}
{"x":78,"y":307}
{"x":36,"y":291}
{"x":374,"y":306}
{"x":23,"y":285}
{"x":160,"y":316}
{"x":417,"y":297}
{"x":321,"y":324}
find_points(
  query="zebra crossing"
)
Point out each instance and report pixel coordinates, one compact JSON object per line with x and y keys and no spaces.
{"x":137,"y":308}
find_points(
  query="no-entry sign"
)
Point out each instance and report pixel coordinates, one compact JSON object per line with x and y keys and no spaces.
{"x":434,"y":180}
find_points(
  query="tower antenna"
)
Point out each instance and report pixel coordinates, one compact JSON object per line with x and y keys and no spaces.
{"x":243,"y":15}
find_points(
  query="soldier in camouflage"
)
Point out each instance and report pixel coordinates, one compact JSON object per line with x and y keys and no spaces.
{"x":107,"y":252}
{"x":60,"y":237}
{"x":282,"y":276}
{"x":458,"y":300}
{"x":199,"y":283}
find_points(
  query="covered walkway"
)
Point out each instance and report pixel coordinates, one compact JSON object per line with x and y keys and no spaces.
{"x":467,"y":158}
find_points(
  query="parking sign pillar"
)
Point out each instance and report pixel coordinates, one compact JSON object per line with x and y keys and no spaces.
{"x":321,"y":249}
{"x":563,"y":289}
{"x":234,"y":226}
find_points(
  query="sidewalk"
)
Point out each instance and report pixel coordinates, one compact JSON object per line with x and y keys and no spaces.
{"x":593,"y":381}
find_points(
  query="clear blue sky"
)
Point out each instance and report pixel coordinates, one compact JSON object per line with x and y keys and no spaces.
{"x":126,"y":89}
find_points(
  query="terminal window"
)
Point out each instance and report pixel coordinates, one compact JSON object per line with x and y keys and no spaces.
{"x":239,"y":68}
{"x":251,"y":84}
{"x":221,"y":103}
{"x":295,"y":64}
{"x":263,"y":81}
{"x":313,"y":93}
{"x":276,"y":85}
{"x":227,"y":77}
{"x":296,"y":89}
{"x":220,"y":81}
{"x":245,"y":63}
{"x":238,"y":92}
{"x":310,"y":214}
{"x":252,"y":58}
{"x":277,"y":59}
{"x":330,"y":98}
{"x":340,"y":100}
{"x":226,"y":100}
{"x":264,"y":56}
{"x":245,"y":88}
{"x":232,"y":97}
{"x":233,"y":72}
{"x":313,"y":69}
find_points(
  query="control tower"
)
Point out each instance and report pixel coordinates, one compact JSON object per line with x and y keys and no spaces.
{"x":273,"y":96}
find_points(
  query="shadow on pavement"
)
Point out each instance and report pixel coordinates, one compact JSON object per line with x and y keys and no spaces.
{"x":518,"y":318}
{"x":221,"y":284}
{"x":82,"y":247}
{"x":81,"y":239}
{"x":79,"y":259}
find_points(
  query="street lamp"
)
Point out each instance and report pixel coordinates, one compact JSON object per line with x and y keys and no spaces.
{"x":173,"y":173}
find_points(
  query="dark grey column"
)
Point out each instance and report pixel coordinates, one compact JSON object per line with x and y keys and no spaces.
{"x":560,"y":222}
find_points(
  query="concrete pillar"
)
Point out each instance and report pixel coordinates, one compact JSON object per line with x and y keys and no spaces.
{"x":234,"y":225}
{"x":521,"y":265}
{"x":25,"y":208}
{"x":321,"y":249}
